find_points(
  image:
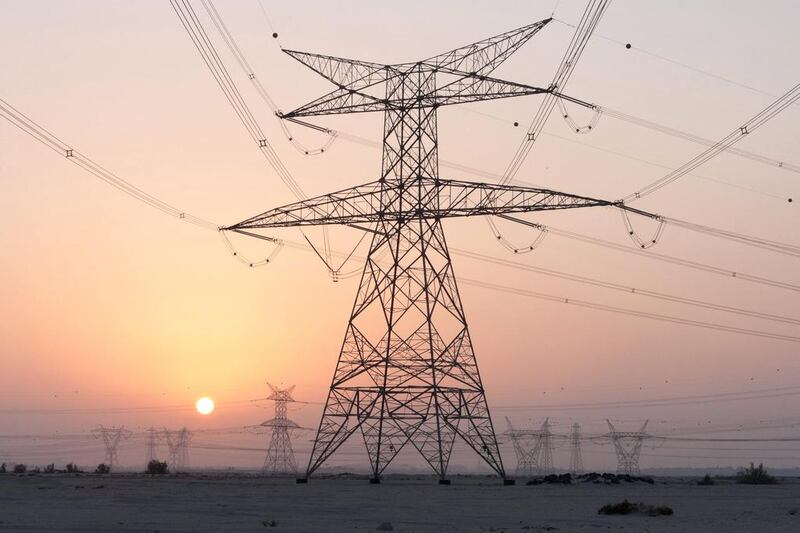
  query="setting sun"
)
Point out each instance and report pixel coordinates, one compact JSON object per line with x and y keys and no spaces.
{"x":204,"y":405}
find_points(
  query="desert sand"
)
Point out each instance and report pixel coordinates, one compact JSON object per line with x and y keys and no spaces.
{"x":216,"y":502}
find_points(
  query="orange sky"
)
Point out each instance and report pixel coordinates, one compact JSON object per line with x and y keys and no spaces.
{"x":106,"y":302}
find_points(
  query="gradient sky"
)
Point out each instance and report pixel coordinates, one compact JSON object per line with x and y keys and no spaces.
{"x":107,"y":303}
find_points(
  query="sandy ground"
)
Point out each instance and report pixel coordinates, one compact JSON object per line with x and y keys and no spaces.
{"x":63,"y":502}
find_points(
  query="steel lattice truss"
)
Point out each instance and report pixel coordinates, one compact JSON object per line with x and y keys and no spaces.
{"x":111,"y":438}
{"x":178,"y":445}
{"x":280,"y":456}
{"x":628,"y":445}
{"x":438,"y":198}
{"x":533,"y":449}
{"x":407,"y":372}
{"x":575,"y":456}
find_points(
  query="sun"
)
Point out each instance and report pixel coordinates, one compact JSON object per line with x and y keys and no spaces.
{"x":204,"y":405}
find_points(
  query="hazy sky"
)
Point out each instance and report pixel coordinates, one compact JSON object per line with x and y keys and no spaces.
{"x":106,"y":303}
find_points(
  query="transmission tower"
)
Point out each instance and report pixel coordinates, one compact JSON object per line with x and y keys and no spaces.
{"x":178,"y":444}
{"x":111,"y":438}
{"x":150,"y":446}
{"x":575,"y":456}
{"x":524,"y":442}
{"x":407,"y":372}
{"x":533,"y":448}
{"x":628,"y":445}
{"x":280,"y":456}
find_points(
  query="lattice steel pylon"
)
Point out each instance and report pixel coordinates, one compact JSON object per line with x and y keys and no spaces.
{"x":280,"y":455}
{"x":545,"y":448}
{"x":533,"y":448}
{"x":150,"y":446}
{"x":178,"y":445}
{"x":524,"y":442}
{"x":407,"y":372}
{"x":111,"y":438}
{"x":628,"y":445}
{"x":575,"y":455}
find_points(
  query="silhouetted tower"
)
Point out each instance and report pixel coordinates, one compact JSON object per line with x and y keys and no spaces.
{"x":407,"y":372}
{"x":628,"y":445}
{"x":533,"y":448}
{"x":545,"y":445}
{"x":524,"y":442}
{"x":150,"y":446}
{"x":178,"y":444}
{"x":280,"y":456}
{"x":575,"y":456}
{"x":111,"y":438}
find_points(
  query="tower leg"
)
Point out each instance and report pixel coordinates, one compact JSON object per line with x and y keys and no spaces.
{"x":407,"y":371}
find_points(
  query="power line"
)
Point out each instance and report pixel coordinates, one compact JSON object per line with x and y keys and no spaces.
{"x":236,"y":51}
{"x":675,"y":62}
{"x":761,"y":118}
{"x":619,"y":115}
{"x":631,"y":312}
{"x":756,"y":394}
{"x":48,"y":139}
{"x":696,"y":265}
{"x":591,"y":17}
{"x":26,"y":124}
{"x":211,"y":58}
{"x":624,"y":288}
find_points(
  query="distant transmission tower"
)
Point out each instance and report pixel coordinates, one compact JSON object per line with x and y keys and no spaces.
{"x":150,"y":446}
{"x":533,"y":448}
{"x":524,"y":442}
{"x":628,"y":445}
{"x":407,"y":371}
{"x":111,"y":438}
{"x":178,"y":444}
{"x":545,"y":448}
{"x":575,"y":456}
{"x":280,"y":456}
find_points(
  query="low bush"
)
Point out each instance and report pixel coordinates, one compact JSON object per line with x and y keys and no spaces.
{"x":102,"y":468}
{"x":156,"y":467}
{"x":707,"y":480}
{"x":626,"y":507}
{"x":20,"y":468}
{"x":755,"y":475}
{"x":72,"y":468}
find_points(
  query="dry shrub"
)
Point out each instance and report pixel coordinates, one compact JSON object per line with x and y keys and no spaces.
{"x":755,"y":475}
{"x":626,"y":507}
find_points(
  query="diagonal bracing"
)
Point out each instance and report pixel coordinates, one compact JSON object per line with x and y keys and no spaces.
{"x":407,"y":372}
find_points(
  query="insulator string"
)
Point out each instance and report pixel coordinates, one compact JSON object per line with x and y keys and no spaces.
{"x":636,"y":237}
{"x":511,"y":247}
{"x":573,"y":126}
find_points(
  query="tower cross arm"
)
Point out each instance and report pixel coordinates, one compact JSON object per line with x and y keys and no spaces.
{"x":467,"y":88}
{"x":350,"y":73}
{"x":381,"y":201}
{"x":474,"y":88}
{"x":482,"y":57}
